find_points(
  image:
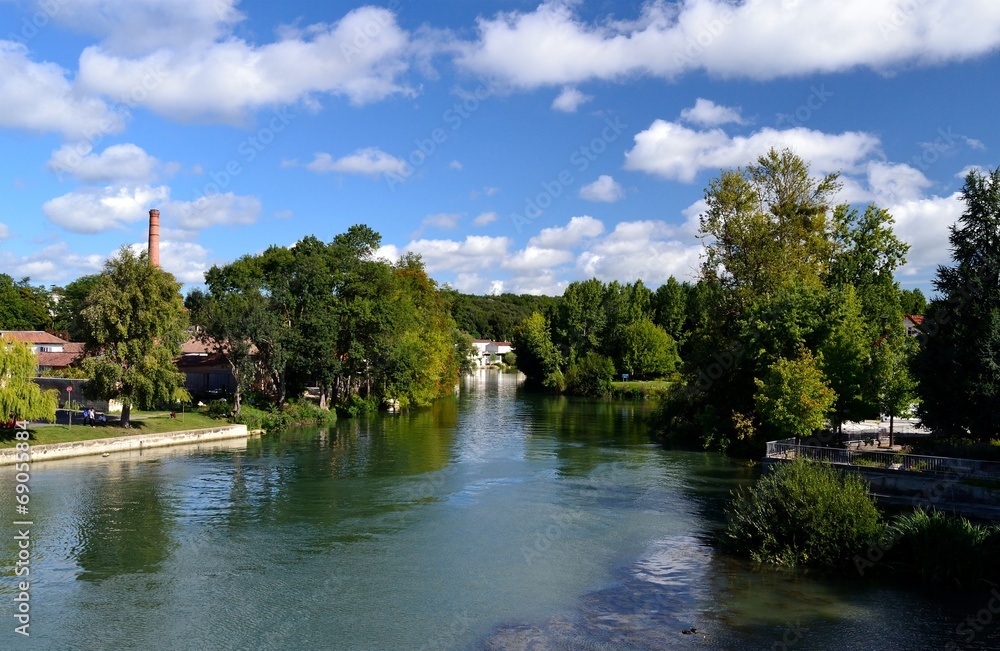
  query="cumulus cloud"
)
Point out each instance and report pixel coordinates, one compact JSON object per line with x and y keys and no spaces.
{"x":485,"y":218}
{"x":131,"y":27}
{"x":4,"y":232}
{"x":552,"y":45}
{"x":56,"y":264}
{"x":96,"y":209}
{"x":534,"y":258}
{"x":370,"y":161}
{"x":569,"y":100}
{"x":647,"y":250}
{"x":125,"y":163}
{"x":39,"y":97}
{"x":187,"y":261}
{"x":224,"y":80}
{"x":575,"y":231}
{"x":441,"y":220}
{"x":706,"y":113}
{"x":674,"y":151}
{"x":924,"y":224}
{"x":223,"y":209}
{"x":604,"y":189}
{"x":474,"y":253}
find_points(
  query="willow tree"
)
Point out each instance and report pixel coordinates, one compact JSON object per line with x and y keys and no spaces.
{"x":134,"y":324}
{"x":20,"y":398}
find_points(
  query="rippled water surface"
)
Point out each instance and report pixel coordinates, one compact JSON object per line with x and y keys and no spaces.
{"x":496,"y":520}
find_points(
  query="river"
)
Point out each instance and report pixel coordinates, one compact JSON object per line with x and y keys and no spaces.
{"x":496,"y":520}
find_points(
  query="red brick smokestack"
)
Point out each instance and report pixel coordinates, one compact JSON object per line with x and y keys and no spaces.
{"x":154,"y":238}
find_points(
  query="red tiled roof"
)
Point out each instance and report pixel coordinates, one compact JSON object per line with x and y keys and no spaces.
{"x":195,"y":347}
{"x":504,"y":343}
{"x":31,"y":337}
{"x":57,"y":360}
{"x":917,"y":319}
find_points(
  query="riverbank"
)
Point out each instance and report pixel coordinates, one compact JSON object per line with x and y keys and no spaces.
{"x":79,"y":448}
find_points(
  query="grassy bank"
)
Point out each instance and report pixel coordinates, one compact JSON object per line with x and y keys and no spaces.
{"x":640,"y":389}
{"x":142,"y":423}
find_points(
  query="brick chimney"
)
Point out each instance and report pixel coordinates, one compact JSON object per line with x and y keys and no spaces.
{"x":154,"y":238}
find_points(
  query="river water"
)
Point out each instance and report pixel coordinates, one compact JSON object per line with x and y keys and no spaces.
{"x":495,"y":520}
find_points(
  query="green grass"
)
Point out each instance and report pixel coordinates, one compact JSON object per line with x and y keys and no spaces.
{"x":142,"y":423}
{"x":640,"y":388}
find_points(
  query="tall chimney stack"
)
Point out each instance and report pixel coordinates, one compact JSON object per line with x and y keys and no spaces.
{"x":154,"y":238}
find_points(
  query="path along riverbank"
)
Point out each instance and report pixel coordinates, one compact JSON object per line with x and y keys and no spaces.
{"x":71,"y":449}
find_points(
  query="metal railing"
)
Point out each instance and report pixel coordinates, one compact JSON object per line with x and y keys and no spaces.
{"x":788,"y":449}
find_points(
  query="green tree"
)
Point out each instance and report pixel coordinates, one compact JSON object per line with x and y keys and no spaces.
{"x":134,"y":324}
{"x":846,"y":354}
{"x":68,"y":303}
{"x":20,"y":397}
{"x":537,"y":356}
{"x":22,"y":306}
{"x":958,"y":369}
{"x":896,"y":387}
{"x":794,"y":398}
{"x":767,"y":226}
{"x":670,"y":307}
{"x":912,"y":301}
{"x":591,"y":375}
{"x":647,"y":350}
{"x":581,"y":319}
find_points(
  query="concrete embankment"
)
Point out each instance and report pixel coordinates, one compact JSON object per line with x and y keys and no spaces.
{"x":125,"y":443}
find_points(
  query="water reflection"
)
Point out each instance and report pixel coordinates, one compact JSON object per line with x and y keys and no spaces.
{"x":495,"y":520}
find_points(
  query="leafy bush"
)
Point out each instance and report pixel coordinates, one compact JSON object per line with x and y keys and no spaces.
{"x":803,"y":513}
{"x":935,"y":548}
{"x":219,"y":408}
{"x":590,"y":376}
{"x":357,"y":406}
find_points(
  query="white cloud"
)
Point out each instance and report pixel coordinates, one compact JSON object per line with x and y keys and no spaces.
{"x":370,"y":161}
{"x":646,"y":250}
{"x":53,"y":264}
{"x":924,"y":225}
{"x":561,"y":237}
{"x":4,"y":231}
{"x":485,"y":218}
{"x":283,"y":214}
{"x":455,"y":165}
{"x":133,"y":26}
{"x":38,"y":97}
{"x":187,"y":261}
{"x":893,"y":183}
{"x":569,"y":100}
{"x":533,"y":258}
{"x":225,"y":80}
{"x":552,"y":45}
{"x":442,"y":220}
{"x":224,"y":209}
{"x":475,"y":253}
{"x":604,"y":189}
{"x":96,"y":209}
{"x":125,"y":163}
{"x":707,"y":113}
{"x":673,"y":151}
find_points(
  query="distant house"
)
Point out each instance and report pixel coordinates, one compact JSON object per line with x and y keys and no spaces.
{"x":488,"y":351}
{"x":913,"y":324}
{"x":205,"y":371}
{"x":52,"y":353}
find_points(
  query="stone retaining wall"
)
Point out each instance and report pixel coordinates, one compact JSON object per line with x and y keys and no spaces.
{"x":125,"y":443}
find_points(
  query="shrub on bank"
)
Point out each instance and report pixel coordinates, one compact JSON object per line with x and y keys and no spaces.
{"x":934,"y":548}
{"x":803,"y":513}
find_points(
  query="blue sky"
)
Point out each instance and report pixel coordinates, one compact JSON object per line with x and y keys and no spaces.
{"x":516,"y":146}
